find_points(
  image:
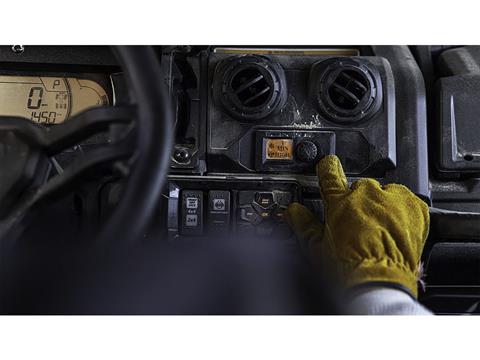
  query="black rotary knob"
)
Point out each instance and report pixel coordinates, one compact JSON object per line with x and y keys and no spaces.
{"x":306,"y":151}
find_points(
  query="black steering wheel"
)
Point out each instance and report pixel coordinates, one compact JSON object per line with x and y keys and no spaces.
{"x":141,"y":141}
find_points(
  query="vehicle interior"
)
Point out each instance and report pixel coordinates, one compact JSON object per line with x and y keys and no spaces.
{"x":153,"y":179}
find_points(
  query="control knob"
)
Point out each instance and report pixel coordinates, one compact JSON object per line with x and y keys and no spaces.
{"x":306,"y":151}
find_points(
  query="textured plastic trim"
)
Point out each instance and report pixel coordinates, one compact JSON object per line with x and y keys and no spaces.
{"x":411,"y":120}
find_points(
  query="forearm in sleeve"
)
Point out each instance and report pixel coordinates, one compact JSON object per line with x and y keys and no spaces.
{"x":385,"y":301}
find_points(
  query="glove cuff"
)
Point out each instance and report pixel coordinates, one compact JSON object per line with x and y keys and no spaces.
{"x":393,"y":274}
{"x":351,"y":292}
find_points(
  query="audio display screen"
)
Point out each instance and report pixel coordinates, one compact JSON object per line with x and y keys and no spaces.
{"x":278,"y":149}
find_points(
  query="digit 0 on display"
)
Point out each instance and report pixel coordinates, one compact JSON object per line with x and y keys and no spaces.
{"x":48,"y":100}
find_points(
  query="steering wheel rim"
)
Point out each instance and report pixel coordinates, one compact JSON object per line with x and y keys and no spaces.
{"x":154,"y":143}
{"x":154,"y":137}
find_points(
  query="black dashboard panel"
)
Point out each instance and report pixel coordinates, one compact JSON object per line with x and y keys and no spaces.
{"x":251,"y":124}
{"x":261,"y":115}
{"x":46,"y":56}
{"x":359,"y":127}
{"x":257,"y":116}
{"x":210,"y":139}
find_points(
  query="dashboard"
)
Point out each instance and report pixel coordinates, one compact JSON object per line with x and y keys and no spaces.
{"x":252,"y":122}
{"x":256,"y":121}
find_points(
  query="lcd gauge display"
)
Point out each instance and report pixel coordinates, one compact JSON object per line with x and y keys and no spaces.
{"x":278,"y":149}
{"x":48,"y":100}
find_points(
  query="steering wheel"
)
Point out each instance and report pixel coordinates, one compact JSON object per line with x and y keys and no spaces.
{"x":141,"y":141}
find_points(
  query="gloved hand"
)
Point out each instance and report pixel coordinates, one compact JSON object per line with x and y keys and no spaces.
{"x":373,"y":234}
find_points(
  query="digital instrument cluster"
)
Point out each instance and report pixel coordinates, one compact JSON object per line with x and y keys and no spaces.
{"x":48,"y":99}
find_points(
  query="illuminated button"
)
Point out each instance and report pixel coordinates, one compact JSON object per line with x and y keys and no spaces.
{"x":191,"y":202}
{"x":218,"y":211}
{"x":191,"y":222}
{"x":264,"y":199}
{"x":219,"y":204}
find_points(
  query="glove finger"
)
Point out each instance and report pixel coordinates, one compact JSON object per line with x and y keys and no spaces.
{"x":331,"y":178}
{"x":366,"y":182}
{"x":398,"y":189}
{"x":305,"y":224}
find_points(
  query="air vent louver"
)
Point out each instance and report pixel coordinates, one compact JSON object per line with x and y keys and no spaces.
{"x":250,"y":87}
{"x":348,"y":89}
{"x":345,"y":90}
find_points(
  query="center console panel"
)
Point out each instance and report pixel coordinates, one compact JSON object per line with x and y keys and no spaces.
{"x":281,"y":113}
{"x":253,"y":123}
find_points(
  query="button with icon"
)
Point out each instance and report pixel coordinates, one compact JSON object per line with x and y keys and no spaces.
{"x":218,"y":210}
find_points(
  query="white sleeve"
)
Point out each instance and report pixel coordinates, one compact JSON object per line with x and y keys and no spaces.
{"x":385,"y":301}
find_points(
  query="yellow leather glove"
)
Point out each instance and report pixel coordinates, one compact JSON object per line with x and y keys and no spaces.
{"x":373,"y":234}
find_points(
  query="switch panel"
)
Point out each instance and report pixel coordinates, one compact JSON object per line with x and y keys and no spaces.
{"x":226,"y":208}
{"x":192,"y":212}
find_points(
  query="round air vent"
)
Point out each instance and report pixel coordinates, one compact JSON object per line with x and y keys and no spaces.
{"x":345,"y":90}
{"x":249,"y":87}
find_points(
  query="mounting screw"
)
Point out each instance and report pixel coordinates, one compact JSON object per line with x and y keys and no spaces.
{"x":18,"y":49}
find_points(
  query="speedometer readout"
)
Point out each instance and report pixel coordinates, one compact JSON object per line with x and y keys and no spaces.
{"x":48,"y":100}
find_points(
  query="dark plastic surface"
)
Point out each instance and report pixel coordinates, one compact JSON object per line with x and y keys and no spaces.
{"x":454,"y":178}
{"x":458,"y":108}
{"x":411,"y":120}
{"x":366,"y":147}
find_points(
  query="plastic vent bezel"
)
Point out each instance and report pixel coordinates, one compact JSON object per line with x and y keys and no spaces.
{"x":228,"y":97}
{"x":326,"y":77}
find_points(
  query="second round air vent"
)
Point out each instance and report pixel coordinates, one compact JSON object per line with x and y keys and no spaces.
{"x":345,"y":90}
{"x":249,"y":87}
